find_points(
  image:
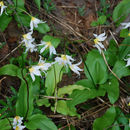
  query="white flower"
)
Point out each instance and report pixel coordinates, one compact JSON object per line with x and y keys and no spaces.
{"x":98,"y":40}
{"x":18,"y":127}
{"x":42,"y":65}
{"x":128,"y":61}
{"x":64,"y":60}
{"x":2,"y":7}
{"x":27,"y":38}
{"x":125,"y":25}
{"x":75,"y":68}
{"x":34,"y":23}
{"x":48,"y":45}
{"x":34,"y":70}
{"x":17,"y":120}
{"x":30,"y":47}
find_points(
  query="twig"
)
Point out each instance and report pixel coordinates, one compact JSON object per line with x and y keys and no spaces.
{"x":52,"y":97}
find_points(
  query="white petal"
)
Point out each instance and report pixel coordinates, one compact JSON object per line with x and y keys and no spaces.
{"x":95,"y":35}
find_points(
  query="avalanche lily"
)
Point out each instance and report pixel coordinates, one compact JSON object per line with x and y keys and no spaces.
{"x":3,"y":7}
{"x":125,"y":25}
{"x":34,"y":23}
{"x":75,"y":68}
{"x":34,"y":70}
{"x":30,"y":47}
{"x":64,"y":60}
{"x":48,"y":45}
{"x":17,"y":120}
{"x":98,"y":40}
{"x":43,"y":66}
{"x":18,"y":127}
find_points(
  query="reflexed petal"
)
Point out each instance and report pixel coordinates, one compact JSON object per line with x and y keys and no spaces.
{"x":43,"y":49}
{"x":95,"y":35}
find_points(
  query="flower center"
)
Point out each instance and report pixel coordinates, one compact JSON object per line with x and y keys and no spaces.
{"x":17,"y":128}
{"x":25,"y":36}
{"x":63,"y":57}
{"x":17,"y":118}
{"x":96,"y":41}
{"x":31,"y":70}
{"x":129,"y":104}
{"x":33,"y":18}
{"x":49,"y":44}
{"x":128,"y":34}
{"x":1,"y":3}
{"x":40,"y":64}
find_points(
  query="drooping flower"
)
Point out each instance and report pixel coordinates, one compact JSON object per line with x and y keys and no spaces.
{"x":46,"y":46}
{"x":98,"y":40}
{"x":3,"y":7}
{"x":18,"y":127}
{"x":34,"y":70}
{"x":64,"y":60}
{"x":125,"y":25}
{"x":30,"y":47}
{"x":43,"y":66}
{"x":128,"y":60}
{"x":17,"y":123}
{"x":34,"y":23}
{"x":75,"y":68}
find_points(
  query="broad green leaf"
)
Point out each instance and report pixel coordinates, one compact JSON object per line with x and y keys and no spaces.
{"x":53,"y":77}
{"x":106,"y":120}
{"x":41,"y":122}
{"x":102,"y":19}
{"x":38,"y":3}
{"x":124,"y":49}
{"x":121,"y":11}
{"x":97,"y":67}
{"x":69,"y":89}
{"x":19,"y":4}
{"x":112,"y":53}
{"x":124,"y":33}
{"x":43,"y":28}
{"x":120,"y":69}
{"x":87,"y":83}
{"x":21,"y":104}
{"x":5,"y":124}
{"x":80,"y":96}
{"x":64,"y":109}
{"x":4,"y":21}
{"x":112,"y":88}
{"x":116,"y":126}
{"x":43,"y":101}
{"x":22,"y":19}
{"x":11,"y":70}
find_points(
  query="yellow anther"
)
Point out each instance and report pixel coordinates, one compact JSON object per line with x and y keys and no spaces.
{"x":33,"y":18}
{"x":64,"y":57}
{"x":96,"y":40}
{"x":129,"y":34}
{"x":17,"y":128}
{"x":31,"y":70}
{"x":49,"y":44}
{"x":1,"y":3}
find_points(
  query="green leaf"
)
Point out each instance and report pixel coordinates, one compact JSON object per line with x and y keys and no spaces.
{"x":64,"y":109}
{"x":4,"y":21}
{"x":5,"y":124}
{"x":112,"y":53}
{"x":68,"y":89}
{"x":43,"y":101}
{"x":124,"y":33}
{"x":106,"y":120}
{"x":112,"y":88}
{"x":22,"y":19}
{"x":102,"y":19}
{"x":94,"y":23}
{"x":53,"y":77}
{"x":97,"y":67}
{"x":41,"y":122}
{"x":121,"y":11}
{"x":38,"y":3}
{"x":124,"y":49}
{"x":87,"y":83}
{"x":19,"y":3}
{"x":80,"y":96}
{"x":43,"y":28}
{"x":120,"y":69}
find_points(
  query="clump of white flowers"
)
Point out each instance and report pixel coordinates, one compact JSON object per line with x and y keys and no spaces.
{"x":98,"y":39}
{"x":67,"y":61}
{"x":3,"y":7}
{"x":17,"y":123}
